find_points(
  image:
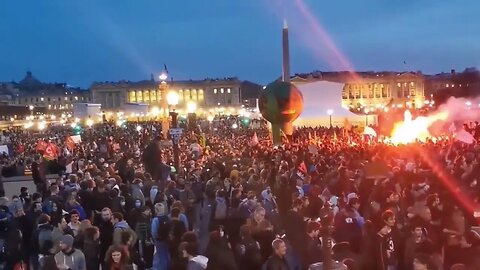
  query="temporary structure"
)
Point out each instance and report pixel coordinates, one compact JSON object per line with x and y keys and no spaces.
{"x":323,"y":99}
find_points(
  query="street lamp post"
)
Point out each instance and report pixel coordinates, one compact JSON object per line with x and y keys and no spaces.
{"x":172,"y":100}
{"x":31,"y":109}
{"x":330,"y":112}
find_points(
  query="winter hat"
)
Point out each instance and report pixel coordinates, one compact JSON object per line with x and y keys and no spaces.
{"x":351,"y":196}
{"x":67,"y":240}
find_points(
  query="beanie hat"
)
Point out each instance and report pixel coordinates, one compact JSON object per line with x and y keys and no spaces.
{"x":67,"y":240}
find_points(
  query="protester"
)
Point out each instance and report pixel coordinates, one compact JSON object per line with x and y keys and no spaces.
{"x":388,"y":206}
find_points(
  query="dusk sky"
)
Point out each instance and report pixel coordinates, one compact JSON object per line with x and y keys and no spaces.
{"x":79,"y":42}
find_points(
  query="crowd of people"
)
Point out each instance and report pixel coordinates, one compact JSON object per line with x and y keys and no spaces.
{"x":237,"y":202}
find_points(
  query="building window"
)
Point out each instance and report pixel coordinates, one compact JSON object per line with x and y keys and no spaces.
{"x":399,"y":85}
{"x":384,"y":92}
{"x":187,"y":95}
{"x":132,"y":97}
{"x":153,"y":96}
{"x":139,"y":96}
{"x":76,"y":98}
{"x":214,"y":90}
{"x":59,"y":99}
{"x":412,"y":84}
{"x":228,"y":90}
{"x":221,"y":90}
{"x":194,"y":95}
{"x":42,"y":99}
{"x":200,"y":95}
{"x":49,"y":106}
{"x":180,"y":95}
{"x":146,"y":96}
{"x":65,"y":98}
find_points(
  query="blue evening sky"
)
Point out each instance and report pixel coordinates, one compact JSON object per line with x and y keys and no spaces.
{"x":81,"y":41}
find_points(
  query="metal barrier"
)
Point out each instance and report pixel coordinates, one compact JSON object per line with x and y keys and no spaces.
{"x":12,"y":185}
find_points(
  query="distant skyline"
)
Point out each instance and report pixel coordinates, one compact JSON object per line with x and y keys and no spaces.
{"x":79,"y":42}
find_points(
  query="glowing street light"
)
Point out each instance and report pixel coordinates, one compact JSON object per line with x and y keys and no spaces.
{"x":191,"y":107}
{"x":42,"y":125}
{"x":210,"y":118}
{"x":28,"y":125}
{"x":139,"y":128}
{"x":89,"y":123}
{"x":164,"y":75}
{"x":235,"y":126}
{"x":73,"y":125}
{"x":330,"y":112}
{"x":31,"y":107}
{"x":172,"y":98}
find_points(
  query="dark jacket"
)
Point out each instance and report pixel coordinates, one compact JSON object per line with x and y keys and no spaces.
{"x":248,"y":255}
{"x":91,"y":250}
{"x":106,"y":237}
{"x":220,"y":257}
{"x":276,"y":263}
{"x":41,"y":246}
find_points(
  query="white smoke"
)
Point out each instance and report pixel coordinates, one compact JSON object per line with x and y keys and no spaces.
{"x":461,"y":110}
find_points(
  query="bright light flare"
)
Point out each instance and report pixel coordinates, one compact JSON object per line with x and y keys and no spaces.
{"x":410,"y":130}
{"x":89,"y":122}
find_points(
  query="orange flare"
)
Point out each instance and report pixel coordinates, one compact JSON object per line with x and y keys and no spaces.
{"x":411,"y":130}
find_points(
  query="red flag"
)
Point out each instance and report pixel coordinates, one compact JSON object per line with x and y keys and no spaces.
{"x":303,"y":167}
{"x":70,"y":143}
{"x":51,"y":152}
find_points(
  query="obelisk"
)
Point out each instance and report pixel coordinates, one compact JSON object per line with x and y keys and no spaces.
{"x":287,"y":128}
{"x":285,"y":53}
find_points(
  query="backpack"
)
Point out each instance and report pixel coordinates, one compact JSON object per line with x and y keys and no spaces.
{"x":164,"y":229}
{"x":220,"y":209}
{"x":45,"y":242}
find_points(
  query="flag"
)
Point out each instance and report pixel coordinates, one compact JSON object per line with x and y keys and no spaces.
{"x":302,"y":170}
{"x":76,"y":138}
{"x":70,"y":143}
{"x":464,"y":136}
{"x":41,"y":146}
{"x":334,"y":135}
{"x":51,"y":152}
{"x":309,"y":136}
{"x":254,"y":139}
{"x":370,"y":132}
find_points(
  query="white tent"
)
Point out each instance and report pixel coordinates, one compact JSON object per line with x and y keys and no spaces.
{"x":322,"y":97}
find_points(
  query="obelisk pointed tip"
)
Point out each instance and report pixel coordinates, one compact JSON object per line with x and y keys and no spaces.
{"x":285,"y":26}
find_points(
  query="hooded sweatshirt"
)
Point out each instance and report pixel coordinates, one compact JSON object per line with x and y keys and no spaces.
{"x":74,"y":259}
{"x":117,"y":232}
{"x":197,"y":263}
